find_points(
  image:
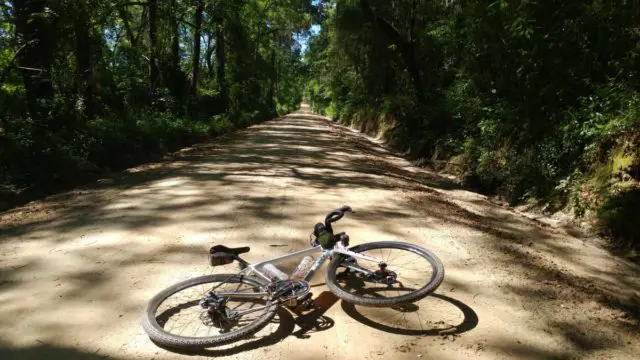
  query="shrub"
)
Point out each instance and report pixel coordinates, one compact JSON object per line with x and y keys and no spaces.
{"x":618,"y":218}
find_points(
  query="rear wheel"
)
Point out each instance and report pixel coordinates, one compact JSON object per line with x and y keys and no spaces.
{"x":175,"y":319}
{"x":410,"y":273}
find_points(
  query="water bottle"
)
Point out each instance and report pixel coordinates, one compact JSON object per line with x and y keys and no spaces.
{"x":273,"y":272}
{"x":301,"y":271}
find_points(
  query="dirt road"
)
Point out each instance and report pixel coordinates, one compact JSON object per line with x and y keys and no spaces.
{"x":77,"y":269}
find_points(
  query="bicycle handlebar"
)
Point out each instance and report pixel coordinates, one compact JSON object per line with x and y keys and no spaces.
{"x":336,"y":215}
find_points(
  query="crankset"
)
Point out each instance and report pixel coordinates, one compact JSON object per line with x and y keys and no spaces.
{"x":288,"y":291}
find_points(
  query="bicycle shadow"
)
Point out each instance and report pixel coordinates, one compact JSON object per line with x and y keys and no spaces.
{"x":408,"y":318}
{"x":284,"y":323}
{"x":315,"y":320}
{"x":383,"y":318}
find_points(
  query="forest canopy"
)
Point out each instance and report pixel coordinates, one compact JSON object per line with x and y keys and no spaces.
{"x":92,"y":85}
{"x":536,"y":101}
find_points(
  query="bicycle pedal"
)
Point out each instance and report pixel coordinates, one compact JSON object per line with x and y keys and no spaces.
{"x":307,"y":302}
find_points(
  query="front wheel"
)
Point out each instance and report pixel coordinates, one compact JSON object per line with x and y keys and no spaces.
{"x":409,"y":274}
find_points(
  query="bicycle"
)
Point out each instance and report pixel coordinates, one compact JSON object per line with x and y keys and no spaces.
{"x":239,"y":305}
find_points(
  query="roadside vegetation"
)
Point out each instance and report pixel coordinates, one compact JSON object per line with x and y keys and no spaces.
{"x":89,"y":86}
{"x":536,"y":102}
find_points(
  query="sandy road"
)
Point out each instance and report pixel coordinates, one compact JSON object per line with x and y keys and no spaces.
{"x":77,"y":268}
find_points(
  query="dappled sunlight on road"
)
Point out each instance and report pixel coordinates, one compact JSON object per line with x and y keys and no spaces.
{"x":77,"y":269}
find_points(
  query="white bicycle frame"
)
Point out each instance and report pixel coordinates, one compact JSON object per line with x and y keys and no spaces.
{"x":325,"y":254}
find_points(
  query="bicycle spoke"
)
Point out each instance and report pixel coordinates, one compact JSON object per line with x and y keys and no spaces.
{"x":420,"y":321}
{"x":195,"y":333}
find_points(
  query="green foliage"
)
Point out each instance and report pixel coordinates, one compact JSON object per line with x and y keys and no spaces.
{"x":535,"y":100}
{"x":105,"y":143}
{"x":618,"y":217}
{"x":88,"y":86}
{"x":221,"y":124}
{"x":117,"y":142}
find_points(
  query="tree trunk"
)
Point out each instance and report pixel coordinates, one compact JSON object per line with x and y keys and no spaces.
{"x":407,"y":47}
{"x":196,"y":45}
{"x":209,"y":54}
{"x":143,"y":15}
{"x":272,"y":85}
{"x":408,"y":53}
{"x":84,"y":69}
{"x":122,"y":11}
{"x":173,"y":77}
{"x":175,"y":35}
{"x":153,"y":66}
{"x":36,"y":60}
{"x":276,"y":66}
{"x":220,"y":62}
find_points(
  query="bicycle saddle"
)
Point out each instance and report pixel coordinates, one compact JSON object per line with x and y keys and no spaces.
{"x":224,"y":249}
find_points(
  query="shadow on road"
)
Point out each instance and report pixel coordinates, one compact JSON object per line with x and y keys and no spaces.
{"x":313,"y":321}
{"x":48,"y":352}
{"x":95,"y":255}
{"x":396,"y":320}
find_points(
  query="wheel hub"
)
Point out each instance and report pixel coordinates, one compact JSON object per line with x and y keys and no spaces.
{"x":217,"y":310}
{"x":383,"y":275}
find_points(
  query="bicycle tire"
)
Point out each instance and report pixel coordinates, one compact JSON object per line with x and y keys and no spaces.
{"x":431,"y":286}
{"x":157,"y":334}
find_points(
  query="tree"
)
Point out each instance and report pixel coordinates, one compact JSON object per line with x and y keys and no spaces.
{"x":88,"y":85}
{"x":221,"y":58}
{"x":406,"y":46}
{"x":175,"y":35}
{"x":84,"y":69}
{"x":197,"y":33}
{"x":33,"y":30}
{"x":518,"y":93}
{"x":153,"y":65}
